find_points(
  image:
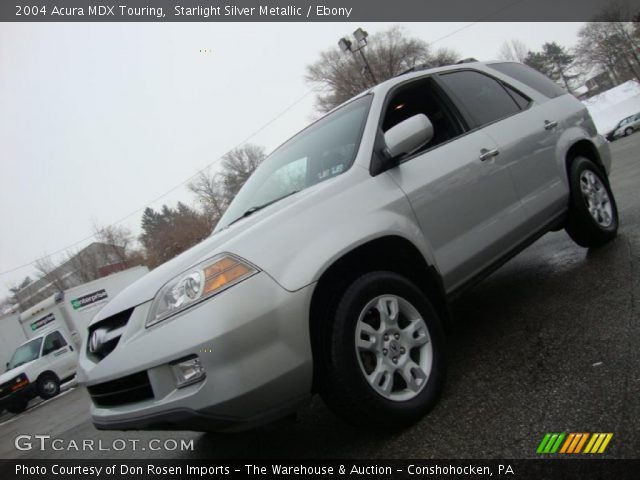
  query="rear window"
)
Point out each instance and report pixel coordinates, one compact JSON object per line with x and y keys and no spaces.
{"x":530,"y":77}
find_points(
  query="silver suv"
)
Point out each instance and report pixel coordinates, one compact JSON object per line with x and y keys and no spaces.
{"x":331,"y":270}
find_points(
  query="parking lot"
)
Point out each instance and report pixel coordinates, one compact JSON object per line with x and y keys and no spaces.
{"x":549,"y":343}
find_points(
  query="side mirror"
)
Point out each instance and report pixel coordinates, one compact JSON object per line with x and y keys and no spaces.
{"x":408,"y":135}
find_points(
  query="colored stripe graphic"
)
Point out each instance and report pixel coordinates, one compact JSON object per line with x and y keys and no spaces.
{"x":573,"y":443}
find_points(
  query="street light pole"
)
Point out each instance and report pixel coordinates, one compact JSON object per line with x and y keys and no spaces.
{"x":361,"y":40}
{"x":367,"y":66}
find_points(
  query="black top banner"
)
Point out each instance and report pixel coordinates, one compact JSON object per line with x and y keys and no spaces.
{"x":312,"y":10}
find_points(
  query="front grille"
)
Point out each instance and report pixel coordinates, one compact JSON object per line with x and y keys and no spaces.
{"x":130,"y":389}
{"x":5,"y":389}
{"x":110,"y":324}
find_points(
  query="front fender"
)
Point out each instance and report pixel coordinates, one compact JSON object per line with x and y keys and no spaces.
{"x":312,"y":236}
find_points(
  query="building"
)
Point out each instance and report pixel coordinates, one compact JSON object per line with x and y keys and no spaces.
{"x":92,"y":262}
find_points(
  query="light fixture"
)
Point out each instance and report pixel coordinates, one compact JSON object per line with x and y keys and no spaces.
{"x":344,"y":44}
{"x":188,"y":371}
{"x":361,"y":36}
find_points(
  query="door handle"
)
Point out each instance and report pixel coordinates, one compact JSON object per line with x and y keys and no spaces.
{"x":548,"y":125}
{"x":487,"y":154}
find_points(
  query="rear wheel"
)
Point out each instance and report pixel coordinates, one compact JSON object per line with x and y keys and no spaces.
{"x":593,"y":213}
{"x":48,"y":386}
{"x":628,"y":131}
{"x":386,"y":363}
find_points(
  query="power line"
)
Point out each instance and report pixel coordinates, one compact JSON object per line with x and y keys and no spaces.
{"x":171,"y":190}
{"x":270,"y":122}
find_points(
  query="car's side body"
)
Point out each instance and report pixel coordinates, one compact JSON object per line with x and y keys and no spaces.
{"x":442,"y":216}
{"x":629,"y":124}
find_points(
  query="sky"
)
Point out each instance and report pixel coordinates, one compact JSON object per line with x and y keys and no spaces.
{"x":99,"y":120}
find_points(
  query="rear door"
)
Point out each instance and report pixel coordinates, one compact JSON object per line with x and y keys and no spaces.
{"x":526,"y":142}
{"x":460,"y":190}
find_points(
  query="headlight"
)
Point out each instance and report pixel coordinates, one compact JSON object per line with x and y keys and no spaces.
{"x":198,"y":283}
{"x":19,"y":382}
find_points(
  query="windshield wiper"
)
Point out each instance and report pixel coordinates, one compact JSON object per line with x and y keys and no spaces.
{"x":255,"y":208}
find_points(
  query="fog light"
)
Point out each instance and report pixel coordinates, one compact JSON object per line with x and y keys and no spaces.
{"x":188,"y":371}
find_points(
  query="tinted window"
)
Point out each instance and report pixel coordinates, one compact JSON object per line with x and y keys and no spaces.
{"x":422,"y":96}
{"x":53,"y":342}
{"x":522,"y":101}
{"x":531,"y":78}
{"x":484,"y":98}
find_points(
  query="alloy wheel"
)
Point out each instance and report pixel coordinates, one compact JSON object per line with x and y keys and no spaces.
{"x":393,"y":347}
{"x":598,"y":202}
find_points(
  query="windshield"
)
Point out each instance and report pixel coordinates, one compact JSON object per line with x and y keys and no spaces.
{"x":325,"y":149}
{"x":25,"y":354}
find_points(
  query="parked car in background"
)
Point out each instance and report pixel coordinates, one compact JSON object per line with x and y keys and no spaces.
{"x":331,"y":270}
{"x":37,"y":368}
{"x":625,"y":127}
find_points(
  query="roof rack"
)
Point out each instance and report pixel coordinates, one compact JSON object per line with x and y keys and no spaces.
{"x":415,"y":68}
{"x":424,"y":66}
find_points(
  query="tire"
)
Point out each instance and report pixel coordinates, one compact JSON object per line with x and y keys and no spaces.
{"x":628,"y":131}
{"x":18,"y":407}
{"x":593,"y":213}
{"x":347,"y":384}
{"x":48,"y":386}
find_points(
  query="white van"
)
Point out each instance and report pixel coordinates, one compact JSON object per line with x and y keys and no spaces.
{"x":37,"y":368}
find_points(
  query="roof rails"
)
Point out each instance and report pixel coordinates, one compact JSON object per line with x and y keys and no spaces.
{"x":424,"y":66}
{"x":415,"y":68}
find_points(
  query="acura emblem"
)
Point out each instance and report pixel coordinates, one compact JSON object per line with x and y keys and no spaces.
{"x":96,"y":340}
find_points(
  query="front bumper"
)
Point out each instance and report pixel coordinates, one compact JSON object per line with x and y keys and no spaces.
{"x":253,"y":341}
{"x":21,"y":395}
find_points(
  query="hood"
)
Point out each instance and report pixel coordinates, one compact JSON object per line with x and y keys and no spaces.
{"x":222,"y":241}
{"x":11,"y":374}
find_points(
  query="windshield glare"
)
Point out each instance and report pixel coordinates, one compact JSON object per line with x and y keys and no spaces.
{"x":325,"y":149}
{"x":25,"y":354}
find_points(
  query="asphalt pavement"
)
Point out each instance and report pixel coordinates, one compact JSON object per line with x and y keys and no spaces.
{"x":548,"y":343}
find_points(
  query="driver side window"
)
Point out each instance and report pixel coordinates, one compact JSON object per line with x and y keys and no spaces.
{"x":54,"y":341}
{"x":423,"y":96}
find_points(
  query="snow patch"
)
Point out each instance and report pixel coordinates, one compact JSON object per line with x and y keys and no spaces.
{"x":609,"y":107}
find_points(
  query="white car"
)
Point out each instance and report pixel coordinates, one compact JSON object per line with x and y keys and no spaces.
{"x":37,"y":368}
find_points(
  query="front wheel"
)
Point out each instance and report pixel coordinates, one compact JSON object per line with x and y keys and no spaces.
{"x":48,"y":386}
{"x":593,"y":213}
{"x":628,"y":131}
{"x":386,"y":363}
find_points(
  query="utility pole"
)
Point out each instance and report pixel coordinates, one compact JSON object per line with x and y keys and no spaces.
{"x":361,"y":41}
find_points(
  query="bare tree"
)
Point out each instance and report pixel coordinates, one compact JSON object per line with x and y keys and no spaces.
{"x":339,"y":76}
{"x":215,"y":190}
{"x":238,"y":165}
{"x":15,"y":289}
{"x":117,"y":241}
{"x":513,"y":50}
{"x":85,"y":265}
{"x":47,"y":270}
{"x":611,"y":43}
{"x":209,"y":191}
{"x":611,"y":47}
